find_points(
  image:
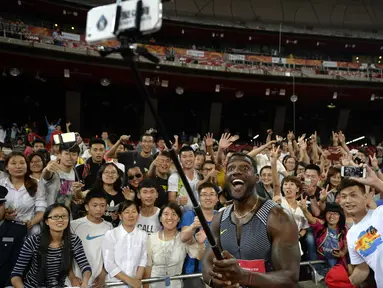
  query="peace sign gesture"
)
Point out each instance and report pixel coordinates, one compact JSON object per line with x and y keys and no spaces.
{"x":374,"y":162}
{"x":324,"y":193}
{"x":303,"y":203}
{"x":274,"y":153}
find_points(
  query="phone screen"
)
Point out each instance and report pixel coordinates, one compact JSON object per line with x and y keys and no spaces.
{"x":349,"y":171}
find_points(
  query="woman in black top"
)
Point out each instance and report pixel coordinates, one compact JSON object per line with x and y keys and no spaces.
{"x":109,"y":181}
{"x":46,"y":259}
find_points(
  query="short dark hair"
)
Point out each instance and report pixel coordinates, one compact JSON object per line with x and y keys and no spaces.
{"x":294,"y":180}
{"x":147,"y":183}
{"x":200,"y":152}
{"x":208,"y":162}
{"x":38,"y":141}
{"x":186,"y":149}
{"x":147,"y":135}
{"x":239,"y":154}
{"x":207,"y":185}
{"x":313,"y":167}
{"x":263,"y":168}
{"x":347,"y":182}
{"x":74,"y":149}
{"x":95,"y":193}
{"x":126,"y":204}
{"x":96,"y":141}
{"x":166,"y":154}
{"x":173,"y":206}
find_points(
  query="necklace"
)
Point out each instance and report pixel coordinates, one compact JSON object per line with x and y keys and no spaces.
{"x":247,"y":213}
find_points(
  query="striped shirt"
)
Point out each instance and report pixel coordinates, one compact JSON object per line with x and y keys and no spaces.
{"x":28,"y":257}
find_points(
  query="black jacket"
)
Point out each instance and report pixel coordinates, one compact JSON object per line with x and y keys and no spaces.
{"x":12,"y":236}
{"x":88,"y":173}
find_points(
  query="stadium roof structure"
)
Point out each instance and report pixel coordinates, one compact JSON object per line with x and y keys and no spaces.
{"x":361,"y":14}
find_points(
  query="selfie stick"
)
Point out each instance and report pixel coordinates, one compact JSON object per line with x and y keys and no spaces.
{"x":128,"y":53}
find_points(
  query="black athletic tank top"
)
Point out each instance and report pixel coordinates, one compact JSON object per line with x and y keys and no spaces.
{"x":255,"y":243}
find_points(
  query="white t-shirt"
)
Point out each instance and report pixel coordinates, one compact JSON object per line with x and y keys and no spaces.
{"x":150,"y":224}
{"x":297,"y":214}
{"x":263,"y":160}
{"x":175,"y":185}
{"x":91,"y":235}
{"x":364,"y":241}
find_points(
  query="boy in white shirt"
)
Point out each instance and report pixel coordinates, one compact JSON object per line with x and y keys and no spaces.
{"x":364,"y":239}
{"x":91,"y":230}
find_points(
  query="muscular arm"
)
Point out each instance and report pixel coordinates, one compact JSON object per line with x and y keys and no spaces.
{"x":285,"y":253}
{"x":359,"y":274}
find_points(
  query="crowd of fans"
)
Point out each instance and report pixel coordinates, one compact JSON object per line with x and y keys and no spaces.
{"x":114,"y":211}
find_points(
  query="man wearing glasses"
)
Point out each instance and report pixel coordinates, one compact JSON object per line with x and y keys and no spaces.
{"x":208,"y":195}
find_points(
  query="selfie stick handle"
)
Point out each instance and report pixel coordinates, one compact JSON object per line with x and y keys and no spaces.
{"x":128,"y":55}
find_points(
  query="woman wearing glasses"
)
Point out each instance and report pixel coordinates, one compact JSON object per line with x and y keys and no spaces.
{"x":37,"y":164}
{"x":45,"y":259}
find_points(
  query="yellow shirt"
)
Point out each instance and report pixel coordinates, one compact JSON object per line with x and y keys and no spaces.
{"x":221,"y":178}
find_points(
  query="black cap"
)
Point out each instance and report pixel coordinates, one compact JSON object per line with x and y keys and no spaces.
{"x":3,"y":193}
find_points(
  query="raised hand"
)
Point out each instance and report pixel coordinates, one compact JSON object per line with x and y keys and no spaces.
{"x":269,"y":131}
{"x":274,"y":154}
{"x":53,"y":166}
{"x":124,"y":138}
{"x":374,"y":161}
{"x":290,"y":136}
{"x":225,"y":141}
{"x":209,"y":140}
{"x":313,"y":138}
{"x":301,"y":138}
{"x":341,"y":137}
{"x":335,"y":138}
{"x":324,"y":193}
{"x":303,"y":203}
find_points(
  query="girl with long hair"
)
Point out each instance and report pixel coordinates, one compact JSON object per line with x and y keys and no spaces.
{"x":46,"y":259}
{"x":37,"y":163}
{"x":333,"y":181}
{"x":25,"y":202}
{"x":109,"y":181}
{"x":330,"y":235}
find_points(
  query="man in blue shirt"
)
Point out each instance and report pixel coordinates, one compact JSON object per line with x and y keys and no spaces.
{"x":208,"y":195}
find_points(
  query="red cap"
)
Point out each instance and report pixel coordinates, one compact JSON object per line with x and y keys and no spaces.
{"x":337,"y":277}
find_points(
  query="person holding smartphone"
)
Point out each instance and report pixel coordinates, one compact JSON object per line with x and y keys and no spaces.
{"x":330,"y":234}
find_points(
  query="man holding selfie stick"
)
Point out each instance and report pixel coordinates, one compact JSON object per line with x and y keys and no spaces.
{"x":60,"y":180}
{"x":364,"y":239}
{"x":266,"y":253}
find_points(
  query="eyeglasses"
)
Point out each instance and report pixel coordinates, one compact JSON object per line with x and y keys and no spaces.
{"x":36,"y":162}
{"x":57,"y":217}
{"x":131,"y":177}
